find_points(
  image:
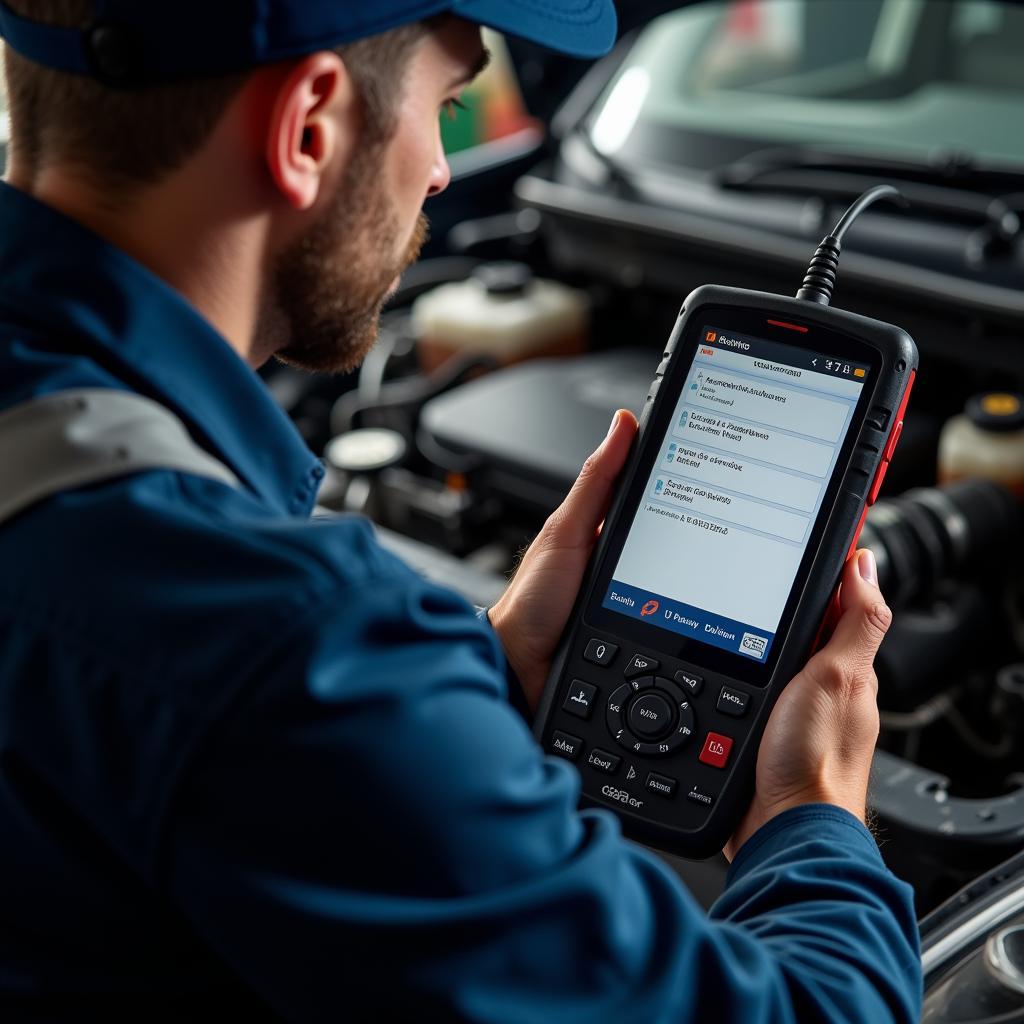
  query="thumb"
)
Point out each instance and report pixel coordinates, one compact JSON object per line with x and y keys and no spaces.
{"x":576,"y":520}
{"x":865,"y":616}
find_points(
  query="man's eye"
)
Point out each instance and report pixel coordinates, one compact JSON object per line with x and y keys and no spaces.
{"x":451,"y":107}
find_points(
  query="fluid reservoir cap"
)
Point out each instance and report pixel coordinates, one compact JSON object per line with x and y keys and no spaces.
{"x":366,"y":451}
{"x":504,"y":277}
{"x":998,"y":411}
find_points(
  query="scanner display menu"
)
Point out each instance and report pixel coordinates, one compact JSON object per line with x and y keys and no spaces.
{"x":729,"y":507}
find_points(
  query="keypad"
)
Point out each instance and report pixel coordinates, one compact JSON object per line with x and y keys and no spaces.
{"x":635,"y":710}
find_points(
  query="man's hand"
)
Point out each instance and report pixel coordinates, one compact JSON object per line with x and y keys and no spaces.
{"x":531,"y":614}
{"x":821,"y":735}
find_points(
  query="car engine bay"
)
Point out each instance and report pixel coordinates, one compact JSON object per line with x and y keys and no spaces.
{"x":461,"y":465}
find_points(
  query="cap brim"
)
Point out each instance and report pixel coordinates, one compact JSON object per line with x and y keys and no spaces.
{"x":579,"y":28}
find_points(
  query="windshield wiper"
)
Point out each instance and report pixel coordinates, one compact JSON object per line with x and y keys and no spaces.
{"x":948,"y":167}
{"x":950,"y":184}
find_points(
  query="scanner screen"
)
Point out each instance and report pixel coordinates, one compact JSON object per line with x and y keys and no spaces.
{"x":730,"y":505}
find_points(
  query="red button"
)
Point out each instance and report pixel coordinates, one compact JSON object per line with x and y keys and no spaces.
{"x":893,"y":440}
{"x":716,"y":750}
{"x":877,"y":485}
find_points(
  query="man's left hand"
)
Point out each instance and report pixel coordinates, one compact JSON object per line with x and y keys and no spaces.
{"x":530,"y":616}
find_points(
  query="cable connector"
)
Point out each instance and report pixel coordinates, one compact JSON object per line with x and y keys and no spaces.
{"x":820,"y":279}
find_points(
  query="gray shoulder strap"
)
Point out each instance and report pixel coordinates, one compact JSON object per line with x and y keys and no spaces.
{"x":72,"y":438}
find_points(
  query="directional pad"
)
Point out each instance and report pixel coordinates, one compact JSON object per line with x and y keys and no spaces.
{"x":650,"y":715}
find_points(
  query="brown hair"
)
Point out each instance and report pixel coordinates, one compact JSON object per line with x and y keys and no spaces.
{"x":128,"y":138}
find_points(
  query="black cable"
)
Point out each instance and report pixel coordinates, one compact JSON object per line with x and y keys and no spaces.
{"x":873,"y":195}
{"x":820,"y":279}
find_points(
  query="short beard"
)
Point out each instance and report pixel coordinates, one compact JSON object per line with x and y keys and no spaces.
{"x":329,"y":286}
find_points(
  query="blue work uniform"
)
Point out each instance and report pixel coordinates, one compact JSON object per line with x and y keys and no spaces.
{"x":248,"y":755}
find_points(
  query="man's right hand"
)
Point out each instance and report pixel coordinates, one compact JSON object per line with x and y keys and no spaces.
{"x":821,"y":735}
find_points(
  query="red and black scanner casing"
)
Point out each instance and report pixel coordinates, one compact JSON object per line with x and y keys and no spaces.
{"x":689,"y":800}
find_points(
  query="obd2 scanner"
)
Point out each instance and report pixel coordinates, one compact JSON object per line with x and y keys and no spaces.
{"x":765,"y":436}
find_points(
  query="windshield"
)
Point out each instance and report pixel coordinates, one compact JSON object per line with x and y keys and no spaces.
{"x":883,"y":77}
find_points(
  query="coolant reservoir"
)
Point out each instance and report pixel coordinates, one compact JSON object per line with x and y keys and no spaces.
{"x":502,"y":310}
{"x":986,"y":441}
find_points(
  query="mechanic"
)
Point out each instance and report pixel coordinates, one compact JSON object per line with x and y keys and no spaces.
{"x":248,"y":758}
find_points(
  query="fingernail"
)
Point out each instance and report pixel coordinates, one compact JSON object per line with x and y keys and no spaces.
{"x":867,"y":568}
{"x":615,"y":420}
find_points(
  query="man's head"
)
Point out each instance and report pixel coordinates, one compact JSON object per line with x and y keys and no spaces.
{"x":329,"y":284}
{"x":305,"y":172}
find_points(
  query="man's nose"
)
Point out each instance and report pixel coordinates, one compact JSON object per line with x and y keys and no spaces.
{"x":440,"y":175}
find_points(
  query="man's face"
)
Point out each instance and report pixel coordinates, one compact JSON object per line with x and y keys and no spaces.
{"x":329,"y":286}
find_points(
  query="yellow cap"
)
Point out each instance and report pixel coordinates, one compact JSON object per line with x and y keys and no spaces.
{"x":1000,"y":404}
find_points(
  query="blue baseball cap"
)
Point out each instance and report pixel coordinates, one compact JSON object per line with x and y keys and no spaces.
{"x":131,"y":42}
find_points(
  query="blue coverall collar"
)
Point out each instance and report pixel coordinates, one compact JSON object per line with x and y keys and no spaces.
{"x":112,"y":308}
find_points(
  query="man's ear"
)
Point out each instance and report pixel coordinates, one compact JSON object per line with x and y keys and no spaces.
{"x":313,"y":123}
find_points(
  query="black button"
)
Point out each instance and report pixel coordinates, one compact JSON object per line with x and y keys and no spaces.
{"x":685,"y":727}
{"x":661,"y":784}
{"x":641,"y":683}
{"x":114,"y":53}
{"x":566,"y":745}
{"x":699,"y":797}
{"x":639,"y":747}
{"x":733,"y":702}
{"x":579,"y":701}
{"x":616,"y":705}
{"x":617,"y":701}
{"x":600,"y":652}
{"x":640,"y":665}
{"x":694,"y":684}
{"x":675,"y":694}
{"x":603,"y":761}
{"x":650,"y":715}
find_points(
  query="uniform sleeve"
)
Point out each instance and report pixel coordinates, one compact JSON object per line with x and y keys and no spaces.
{"x":374,"y":833}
